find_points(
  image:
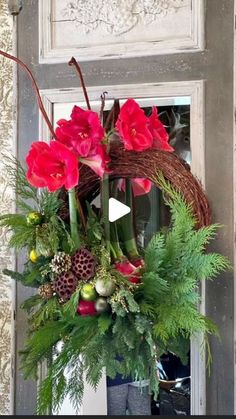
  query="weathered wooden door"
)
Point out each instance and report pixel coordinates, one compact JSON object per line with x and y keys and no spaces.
{"x":152,"y":50}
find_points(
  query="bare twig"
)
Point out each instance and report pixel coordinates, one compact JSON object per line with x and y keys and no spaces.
{"x":103,"y":101}
{"x":36,"y":89}
{"x":75,"y":63}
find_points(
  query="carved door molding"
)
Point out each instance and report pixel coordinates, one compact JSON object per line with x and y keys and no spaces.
{"x":101,"y":29}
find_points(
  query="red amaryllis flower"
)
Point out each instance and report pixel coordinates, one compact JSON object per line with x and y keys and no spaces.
{"x":127,"y":269}
{"x":82,"y":132}
{"x":138,"y":263}
{"x":158,"y":131}
{"x":135,"y":279}
{"x":97,"y":161}
{"x":132,"y":127}
{"x":140,"y":186}
{"x":52,"y":165}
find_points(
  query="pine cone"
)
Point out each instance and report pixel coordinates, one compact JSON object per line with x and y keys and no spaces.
{"x":60,"y":263}
{"x":65,"y":285}
{"x":46,"y":291}
{"x":83,"y":264}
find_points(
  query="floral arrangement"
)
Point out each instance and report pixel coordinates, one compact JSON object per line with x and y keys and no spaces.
{"x":107,"y":302}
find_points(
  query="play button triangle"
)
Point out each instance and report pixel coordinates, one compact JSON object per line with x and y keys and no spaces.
{"x":117,"y":209}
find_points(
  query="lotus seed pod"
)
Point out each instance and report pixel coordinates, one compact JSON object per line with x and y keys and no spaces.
{"x":65,"y":285}
{"x":83,"y":264}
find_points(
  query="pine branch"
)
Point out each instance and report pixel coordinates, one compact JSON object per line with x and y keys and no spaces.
{"x":31,"y":303}
{"x":13,"y":221}
{"x":39,"y":345}
{"x":31,"y":276}
{"x":45,"y":396}
{"x":212,"y":264}
{"x":69,"y":308}
{"x":18,"y":181}
{"x":75,"y":385}
{"x":199,"y":239}
{"x":23,"y":236}
{"x":48,"y":311}
{"x":49,"y":203}
{"x":14,"y":275}
{"x":155,"y":247}
{"x":180,"y":347}
{"x":104,"y":322}
{"x":52,"y":236}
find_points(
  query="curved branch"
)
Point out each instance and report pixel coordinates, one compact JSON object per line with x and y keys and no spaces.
{"x":74,"y":62}
{"x":35,"y":87}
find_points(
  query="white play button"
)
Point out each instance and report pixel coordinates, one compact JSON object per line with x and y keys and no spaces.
{"x":117,"y":209}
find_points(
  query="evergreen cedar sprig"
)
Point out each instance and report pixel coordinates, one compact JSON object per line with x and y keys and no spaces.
{"x":159,"y":315}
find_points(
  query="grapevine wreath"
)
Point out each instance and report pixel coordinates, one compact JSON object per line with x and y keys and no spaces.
{"x":107,"y":302}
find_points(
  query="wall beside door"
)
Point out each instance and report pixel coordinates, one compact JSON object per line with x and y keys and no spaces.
{"x":210,"y":60}
{"x":6,"y":203}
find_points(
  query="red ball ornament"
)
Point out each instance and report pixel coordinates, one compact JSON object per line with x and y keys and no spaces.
{"x":86,"y":308}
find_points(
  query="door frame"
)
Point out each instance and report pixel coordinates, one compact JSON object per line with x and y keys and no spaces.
{"x":195,"y":91}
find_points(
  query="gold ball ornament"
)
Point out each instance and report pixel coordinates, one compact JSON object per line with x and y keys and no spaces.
{"x":33,"y":256}
{"x":34,"y":218}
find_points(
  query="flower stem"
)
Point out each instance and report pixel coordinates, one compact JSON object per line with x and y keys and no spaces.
{"x":117,"y":251}
{"x":105,"y":208}
{"x":127,"y":224}
{"x":73,"y":218}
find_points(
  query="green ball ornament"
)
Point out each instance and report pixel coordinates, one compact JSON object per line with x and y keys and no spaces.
{"x":34,"y":218}
{"x":101,"y":305}
{"x":105,"y":287}
{"x":88,"y":292}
